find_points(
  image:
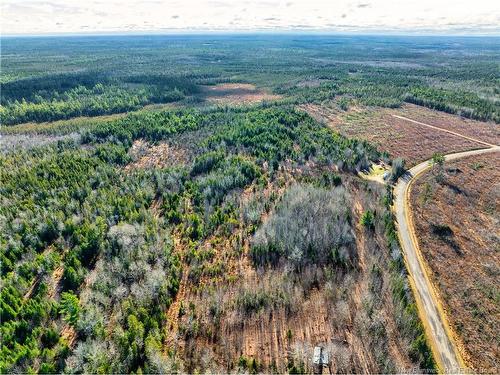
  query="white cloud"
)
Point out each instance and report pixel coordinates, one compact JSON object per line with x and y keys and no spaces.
{"x":77,"y":16}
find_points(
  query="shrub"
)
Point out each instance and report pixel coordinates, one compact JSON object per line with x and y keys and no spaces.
{"x":421,"y":353}
{"x":50,"y":337}
{"x":48,"y":368}
{"x":343,"y":103}
{"x":194,"y":227}
{"x":368,"y":220}
{"x":69,"y":308}
{"x":437,"y":163}
{"x":112,"y":153}
{"x":207,"y":162}
{"x":72,"y":278}
{"x":397,"y":169}
{"x":252,"y":302}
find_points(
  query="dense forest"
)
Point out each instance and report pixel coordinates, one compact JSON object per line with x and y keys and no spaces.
{"x":102,"y":232}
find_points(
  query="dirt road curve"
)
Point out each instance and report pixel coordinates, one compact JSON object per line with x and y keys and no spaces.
{"x":430,"y":309}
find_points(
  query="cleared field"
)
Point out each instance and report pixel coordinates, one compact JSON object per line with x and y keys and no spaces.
{"x":457,"y":226}
{"x":399,"y":137}
{"x":483,"y":131}
{"x":235,"y":94}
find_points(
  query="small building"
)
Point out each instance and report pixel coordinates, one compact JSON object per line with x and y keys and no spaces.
{"x":320,"y":357}
{"x":317,"y":357}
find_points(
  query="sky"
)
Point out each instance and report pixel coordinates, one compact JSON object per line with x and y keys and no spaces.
{"x":36,"y":17}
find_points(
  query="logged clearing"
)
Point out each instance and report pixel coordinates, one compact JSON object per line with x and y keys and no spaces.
{"x":145,"y":155}
{"x":402,"y":138}
{"x":483,"y":131}
{"x":457,"y":226}
{"x":236,"y":94}
{"x":231,"y":314}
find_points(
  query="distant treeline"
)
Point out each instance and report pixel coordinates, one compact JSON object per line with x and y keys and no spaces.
{"x":110,"y":74}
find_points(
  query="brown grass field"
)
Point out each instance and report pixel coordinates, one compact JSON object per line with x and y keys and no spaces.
{"x":457,"y":225}
{"x":236,"y":94}
{"x":401,"y":138}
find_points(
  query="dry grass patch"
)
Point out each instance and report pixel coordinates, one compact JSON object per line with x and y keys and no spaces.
{"x":236,"y":94}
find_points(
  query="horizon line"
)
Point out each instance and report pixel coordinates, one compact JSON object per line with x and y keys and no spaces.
{"x":201,"y":32}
